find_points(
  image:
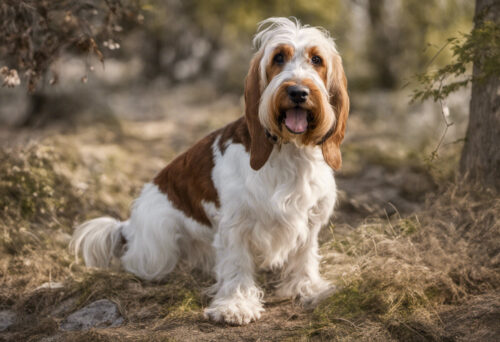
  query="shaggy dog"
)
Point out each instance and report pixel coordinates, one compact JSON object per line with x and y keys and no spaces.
{"x":252,"y":195}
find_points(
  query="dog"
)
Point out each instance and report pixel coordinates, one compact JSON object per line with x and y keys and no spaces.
{"x":252,"y":195}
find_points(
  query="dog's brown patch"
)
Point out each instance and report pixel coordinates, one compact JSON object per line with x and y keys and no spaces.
{"x":272,"y":68}
{"x":260,"y":147}
{"x":320,"y":68}
{"x":339,"y":99}
{"x":187,"y":180}
{"x":237,"y":133}
{"x":314,"y":104}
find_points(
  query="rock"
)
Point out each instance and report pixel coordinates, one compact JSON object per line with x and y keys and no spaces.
{"x":99,"y":314}
{"x":7,"y":318}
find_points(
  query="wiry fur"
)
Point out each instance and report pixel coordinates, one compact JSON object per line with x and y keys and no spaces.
{"x":282,"y":31}
{"x":97,"y":239}
{"x":270,"y":220}
{"x":267,"y":217}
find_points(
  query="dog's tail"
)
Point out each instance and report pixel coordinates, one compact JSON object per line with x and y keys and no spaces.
{"x":99,"y":240}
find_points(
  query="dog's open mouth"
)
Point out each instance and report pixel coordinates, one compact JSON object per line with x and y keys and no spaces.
{"x":296,"y":120}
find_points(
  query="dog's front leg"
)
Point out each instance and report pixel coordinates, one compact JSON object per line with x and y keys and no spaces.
{"x":301,"y":277}
{"x":237,"y":299}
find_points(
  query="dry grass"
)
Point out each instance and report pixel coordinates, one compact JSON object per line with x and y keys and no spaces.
{"x":432,"y":275}
{"x":401,"y":276}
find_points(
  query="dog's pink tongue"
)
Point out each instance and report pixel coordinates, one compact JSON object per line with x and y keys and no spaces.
{"x":296,"y":120}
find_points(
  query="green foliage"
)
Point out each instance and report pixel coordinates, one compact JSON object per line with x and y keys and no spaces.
{"x":481,"y":46}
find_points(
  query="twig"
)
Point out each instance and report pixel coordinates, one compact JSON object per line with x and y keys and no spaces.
{"x":444,"y":109}
{"x":389,"y":222}
{"x":455,"y":142}
{"x":345,"y":320}
{"x":437,"y":53}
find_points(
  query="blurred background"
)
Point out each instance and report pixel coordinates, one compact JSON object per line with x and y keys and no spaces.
{"x":141,"y":81}
{"x":99,"y":95}
{"x":152,"y":49}
{"x":160,"y":75}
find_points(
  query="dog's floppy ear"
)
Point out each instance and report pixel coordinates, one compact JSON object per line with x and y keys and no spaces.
{"x":339,"y":100}
{"x":260,"y":146}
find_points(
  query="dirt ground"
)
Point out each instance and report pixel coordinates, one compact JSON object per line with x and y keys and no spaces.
{"x":414,"y":253}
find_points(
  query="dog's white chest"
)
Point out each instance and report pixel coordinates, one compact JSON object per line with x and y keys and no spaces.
{"x":278,"y":206}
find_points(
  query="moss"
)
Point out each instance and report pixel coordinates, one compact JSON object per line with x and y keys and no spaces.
{"x":31,"y":189}
{"x":33,"y":197}
{"x":349,"y":303}
{"x":341,"y":245}
{"x":408,"y":226}
{"x":185,"y":302}
{"x":373,"y":302}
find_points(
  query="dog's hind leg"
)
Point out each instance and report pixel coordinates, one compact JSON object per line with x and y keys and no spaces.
{"x":152,"y":235}
{"x":146,"y":244}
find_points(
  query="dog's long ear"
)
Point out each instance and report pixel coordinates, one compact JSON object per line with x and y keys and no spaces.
{"x":339,"y":100}
{"x":260,"y":146}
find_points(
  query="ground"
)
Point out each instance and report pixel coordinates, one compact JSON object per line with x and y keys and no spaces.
{"x":413,"y":251}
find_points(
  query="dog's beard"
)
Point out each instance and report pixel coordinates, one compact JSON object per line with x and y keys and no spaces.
{"x":303,"y":124}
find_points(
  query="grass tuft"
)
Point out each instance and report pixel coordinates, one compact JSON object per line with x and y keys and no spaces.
{"x":397,"y":276}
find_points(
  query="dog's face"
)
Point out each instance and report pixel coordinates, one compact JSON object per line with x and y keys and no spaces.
{"x":295,"y":91}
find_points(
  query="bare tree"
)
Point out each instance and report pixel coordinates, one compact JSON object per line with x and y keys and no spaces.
{"x":34,"y":33}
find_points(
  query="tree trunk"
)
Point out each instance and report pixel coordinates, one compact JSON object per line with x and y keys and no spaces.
{"x":380,"y":43}
{"x":480,"y":160}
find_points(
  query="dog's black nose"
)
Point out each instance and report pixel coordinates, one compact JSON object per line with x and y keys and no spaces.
{"x":297,"y":93}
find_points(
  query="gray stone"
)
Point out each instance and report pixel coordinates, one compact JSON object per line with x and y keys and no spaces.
{"x":7,"y":318}
{"x":99,"y":314}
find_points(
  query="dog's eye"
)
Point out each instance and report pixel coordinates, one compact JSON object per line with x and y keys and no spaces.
{"x":316,"y":60}
{"x":279,"y":58}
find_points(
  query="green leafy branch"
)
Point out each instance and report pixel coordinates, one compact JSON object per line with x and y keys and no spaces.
{"x":481,"y":46}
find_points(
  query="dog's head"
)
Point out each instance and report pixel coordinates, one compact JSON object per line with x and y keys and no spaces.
{"x":295,"y":91}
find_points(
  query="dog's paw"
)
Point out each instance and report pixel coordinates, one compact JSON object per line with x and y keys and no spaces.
{"x":234,"y":312}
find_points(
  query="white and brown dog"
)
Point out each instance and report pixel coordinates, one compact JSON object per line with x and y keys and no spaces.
{"x":251,"y":195}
